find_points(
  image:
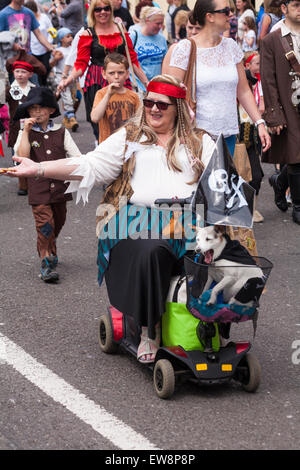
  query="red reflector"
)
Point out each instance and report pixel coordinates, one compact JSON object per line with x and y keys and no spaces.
{"x":177,"y":350}
{"x":117,"y":322}
{"x":241,"y":347}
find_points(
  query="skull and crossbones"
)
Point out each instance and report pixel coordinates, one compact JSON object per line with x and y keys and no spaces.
{"x":218,"y":181}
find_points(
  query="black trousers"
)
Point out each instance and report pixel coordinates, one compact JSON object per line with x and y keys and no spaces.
{"x":138,"y":279}
{"x":256,"y":169}
{"x":44,"y":58}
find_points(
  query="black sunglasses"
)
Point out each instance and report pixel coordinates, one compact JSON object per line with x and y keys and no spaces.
{"x":225,"y":10}
{"x":99,"y":9}
{"x":161,"y":105}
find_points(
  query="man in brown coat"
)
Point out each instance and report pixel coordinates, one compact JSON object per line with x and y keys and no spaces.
{"x":281,"y":88}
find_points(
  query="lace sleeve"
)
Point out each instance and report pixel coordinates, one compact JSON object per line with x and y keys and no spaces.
{"x":180,"y":55}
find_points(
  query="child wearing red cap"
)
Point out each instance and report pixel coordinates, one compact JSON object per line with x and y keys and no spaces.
{"x":15,"y":95}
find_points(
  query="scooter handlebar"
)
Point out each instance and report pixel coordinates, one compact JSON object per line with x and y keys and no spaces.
{"x":173,"y":201}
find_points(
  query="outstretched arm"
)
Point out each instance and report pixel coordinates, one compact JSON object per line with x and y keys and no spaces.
{"x":56,"y":169}
{"x":102,"y":165}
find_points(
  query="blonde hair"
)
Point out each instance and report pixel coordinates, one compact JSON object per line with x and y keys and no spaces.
{"x":181,"y":18}
{"x":90,"y":14}
{"x":183,"y":132}
{"x":249,"y":54}
{"x":147,"y":12}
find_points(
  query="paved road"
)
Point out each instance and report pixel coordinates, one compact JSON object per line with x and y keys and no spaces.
{"x":58,"y":391}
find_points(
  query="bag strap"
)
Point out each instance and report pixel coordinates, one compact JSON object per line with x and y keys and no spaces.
{"x":177,"y":287}
{"x":287,"y":44}
{"x":190,"y":75}
{"x":122,"y":31}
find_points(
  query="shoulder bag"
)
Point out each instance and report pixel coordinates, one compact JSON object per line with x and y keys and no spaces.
{"x":122,"y":31}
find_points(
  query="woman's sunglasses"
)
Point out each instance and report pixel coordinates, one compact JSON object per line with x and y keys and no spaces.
{"x":99,"y":9}
{"x":225,"y":10}
{"x":161,"y":105}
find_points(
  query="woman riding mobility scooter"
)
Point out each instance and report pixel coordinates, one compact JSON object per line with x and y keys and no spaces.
{"x":193,"y":332}
{"x":194,"y":328}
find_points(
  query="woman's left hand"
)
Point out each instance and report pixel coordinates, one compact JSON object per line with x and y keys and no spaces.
{"x":264,"y":137}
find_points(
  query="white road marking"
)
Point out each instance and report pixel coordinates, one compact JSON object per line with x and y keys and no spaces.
{"x":103,"y":422}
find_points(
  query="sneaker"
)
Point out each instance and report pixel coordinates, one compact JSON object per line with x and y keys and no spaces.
{"x":47,"y":270}
{"x":73,"y":124}
{"x":54,"y":260}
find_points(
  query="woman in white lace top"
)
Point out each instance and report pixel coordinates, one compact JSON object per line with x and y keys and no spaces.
{"x":220,"y":75}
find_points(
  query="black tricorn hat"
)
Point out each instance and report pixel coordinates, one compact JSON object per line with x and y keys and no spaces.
{"x":37,"y":95}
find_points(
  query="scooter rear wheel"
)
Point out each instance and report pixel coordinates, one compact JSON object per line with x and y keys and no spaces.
{"x":253,"y":376}
{"x":164,"y":378}
{"x":105,"y":335}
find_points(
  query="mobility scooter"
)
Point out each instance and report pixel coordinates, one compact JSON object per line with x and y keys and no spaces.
{"x":209,"y":360}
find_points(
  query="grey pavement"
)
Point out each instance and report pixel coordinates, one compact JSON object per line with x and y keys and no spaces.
{"x":57,"y":325}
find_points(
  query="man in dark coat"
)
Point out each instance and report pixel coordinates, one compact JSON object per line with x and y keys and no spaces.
{"x":281,"y":88}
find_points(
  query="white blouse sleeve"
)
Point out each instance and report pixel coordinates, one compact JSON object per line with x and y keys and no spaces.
{"x":102,"y":165}
{"x":181,"y":54}
{"x":70,"y":147}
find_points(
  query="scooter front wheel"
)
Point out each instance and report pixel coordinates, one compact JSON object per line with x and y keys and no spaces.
{"x":105,"y":335}
{"x":164,"y":378}
{"x":253,"y":375}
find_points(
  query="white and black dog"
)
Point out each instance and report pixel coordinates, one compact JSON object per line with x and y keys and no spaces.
{"x":231,"y":266}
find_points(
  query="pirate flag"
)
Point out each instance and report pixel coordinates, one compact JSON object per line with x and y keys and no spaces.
{"x":227,"y":198}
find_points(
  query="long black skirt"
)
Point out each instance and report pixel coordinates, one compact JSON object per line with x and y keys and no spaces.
{"x":138,"y":279}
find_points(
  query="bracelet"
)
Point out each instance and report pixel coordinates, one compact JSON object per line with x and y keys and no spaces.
{"x":260,"y":121}
{"x":64,"y":75}
{"x":40,"y":172}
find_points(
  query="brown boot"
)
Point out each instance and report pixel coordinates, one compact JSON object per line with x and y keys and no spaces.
{"x":74,"y":124}
{"x":66,"y":123}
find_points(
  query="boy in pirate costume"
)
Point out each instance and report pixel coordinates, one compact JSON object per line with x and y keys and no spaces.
{"x":16,"y":93}
{"x":42,"y":140}
{"x":280,"y":75}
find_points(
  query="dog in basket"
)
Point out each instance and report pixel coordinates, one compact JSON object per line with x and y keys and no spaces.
{"x":231,"y":266}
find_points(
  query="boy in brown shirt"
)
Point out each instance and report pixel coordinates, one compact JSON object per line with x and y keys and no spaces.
{"x":114,"y":104}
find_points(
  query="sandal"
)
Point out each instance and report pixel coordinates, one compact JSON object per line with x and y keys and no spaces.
{"x":147,"y":348}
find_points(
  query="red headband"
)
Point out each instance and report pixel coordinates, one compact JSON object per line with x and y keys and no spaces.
{"x":19,"y":64}
{"x":250,"y":58}
{"x":166,"y":89}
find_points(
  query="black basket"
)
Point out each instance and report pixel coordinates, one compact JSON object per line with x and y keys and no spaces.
{"x":248,"y":296}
